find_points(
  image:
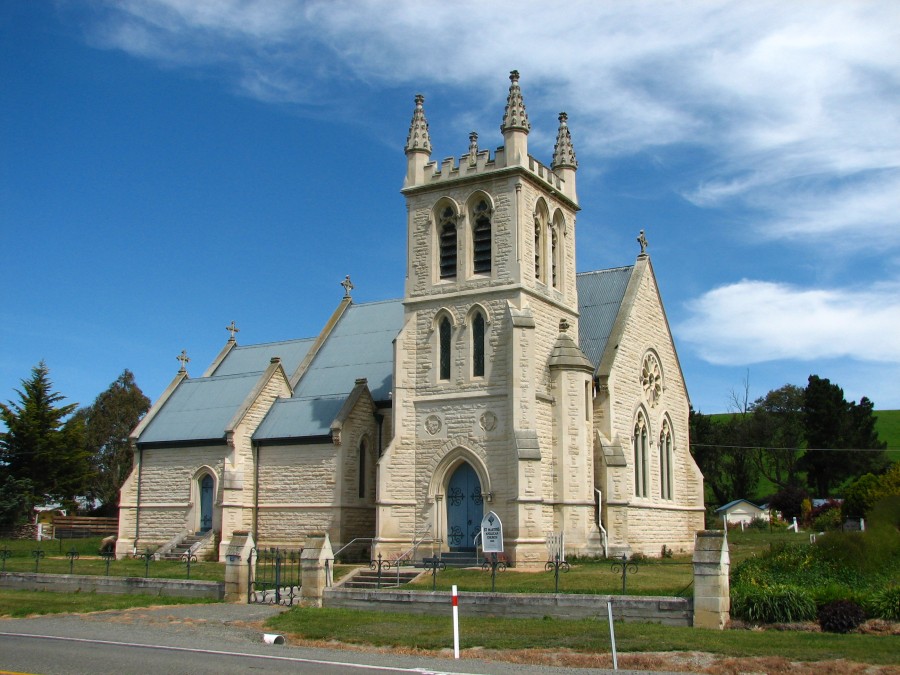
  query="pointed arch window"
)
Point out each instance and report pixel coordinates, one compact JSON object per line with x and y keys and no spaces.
{"x":478,"y":325}
{"x":362,"y":468}
{"x":444,"y":334}
{"x":447,"y":237}
{"x":539,"y":247}
{"x":641,"y":456}
{"x":481,"y":238}
{"x":665,"y":461}
{"x":554,"y":256}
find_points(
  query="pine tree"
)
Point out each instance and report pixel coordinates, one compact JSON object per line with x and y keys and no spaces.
{"x":832,"y":425}
{"x":108,"y":422}
{"x":40,"y":446}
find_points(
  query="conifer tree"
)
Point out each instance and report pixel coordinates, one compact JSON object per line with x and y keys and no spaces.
{"x":40,"y":446}
{"x":108,"y":423}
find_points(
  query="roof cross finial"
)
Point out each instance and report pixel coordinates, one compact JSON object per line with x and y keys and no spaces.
{"x":642,"y":240}
{"x":232,"y":329}
{"x":183,"y":357}
{"x":348,"y":286}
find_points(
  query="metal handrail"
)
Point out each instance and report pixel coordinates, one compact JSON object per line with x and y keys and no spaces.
{"x":350,"y":543}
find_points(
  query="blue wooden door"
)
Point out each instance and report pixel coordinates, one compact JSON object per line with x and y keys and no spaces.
{"x":464,"y":508}
{"x":206,"y":503}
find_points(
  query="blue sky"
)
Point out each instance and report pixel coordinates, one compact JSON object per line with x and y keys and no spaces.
{"x":168,"y":166}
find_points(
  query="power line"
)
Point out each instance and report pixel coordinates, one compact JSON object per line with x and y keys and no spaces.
{"x":757,"y":447}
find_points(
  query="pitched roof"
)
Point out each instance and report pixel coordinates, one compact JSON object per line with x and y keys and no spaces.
{"x":200,"y":409}
{"x":300,"y":418}
{"x":360,"y":345}
{"x":600,"y":296}
{"x":244,"y":359}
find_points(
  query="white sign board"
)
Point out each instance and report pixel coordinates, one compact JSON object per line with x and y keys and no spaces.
{"x":491,"y":533}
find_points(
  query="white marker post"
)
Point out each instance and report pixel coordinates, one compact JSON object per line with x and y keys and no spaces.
{"x":612,"y":635}
{"x":455,"y":623}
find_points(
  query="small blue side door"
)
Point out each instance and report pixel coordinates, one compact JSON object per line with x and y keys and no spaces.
{"x":206,"y":503}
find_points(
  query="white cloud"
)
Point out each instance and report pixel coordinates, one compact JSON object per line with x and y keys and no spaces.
{"x":758,"y":321}
{"x":785,"y":100}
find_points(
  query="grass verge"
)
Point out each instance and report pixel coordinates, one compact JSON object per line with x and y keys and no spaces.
{"x":28,"y":603}
{"x":588,"y":636}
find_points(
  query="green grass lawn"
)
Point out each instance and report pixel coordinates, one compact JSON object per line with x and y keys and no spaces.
{"x":55,"y":561}
{"x":653,"y":577}
{"x":592,"y":636}
{"x":27,"y":603}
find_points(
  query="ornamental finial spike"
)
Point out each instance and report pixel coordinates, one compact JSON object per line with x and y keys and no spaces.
{"x":515,"y":116}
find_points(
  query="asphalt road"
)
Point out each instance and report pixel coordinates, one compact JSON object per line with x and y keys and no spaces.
{"x":198,"y":639}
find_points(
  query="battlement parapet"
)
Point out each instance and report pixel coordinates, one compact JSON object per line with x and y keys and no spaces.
{"x":481,"y":163}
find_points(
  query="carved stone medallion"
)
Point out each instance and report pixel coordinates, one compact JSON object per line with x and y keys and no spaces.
{"x":433,"y":424}
{"x":488,"y":421}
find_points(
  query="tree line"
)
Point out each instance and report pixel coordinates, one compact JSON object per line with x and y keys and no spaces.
{"x":57,"y":453}
{"x":802,"y":441}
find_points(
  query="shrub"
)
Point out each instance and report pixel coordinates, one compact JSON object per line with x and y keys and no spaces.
{"x":829,"y":519}
{"x":772,"y":604}
{"x":841,"y":616}
{"x":790,"y":502}
{"x":885,"y":604}
{"x":759,"y":524}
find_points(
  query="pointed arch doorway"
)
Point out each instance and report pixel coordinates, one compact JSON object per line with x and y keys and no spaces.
{"x":206,"y":503}
{"x":465,"y":508}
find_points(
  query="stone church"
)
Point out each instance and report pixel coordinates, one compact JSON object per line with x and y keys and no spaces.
{"x":502,"y":381}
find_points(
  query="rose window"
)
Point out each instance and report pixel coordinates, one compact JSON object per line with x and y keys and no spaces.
{"x":651,"y":379}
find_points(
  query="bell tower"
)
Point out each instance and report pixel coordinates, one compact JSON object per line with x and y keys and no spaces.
{"x":490,"y":280}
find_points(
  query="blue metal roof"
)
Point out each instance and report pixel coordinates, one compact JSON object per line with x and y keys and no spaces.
{"x":360,"y":345}
{"x":200,"y":409}
{"x":299,"y":418}
{"x":257,"y":357}
{"x":600,"y":296}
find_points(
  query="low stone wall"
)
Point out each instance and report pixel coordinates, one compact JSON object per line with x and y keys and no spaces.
{"x":670,"y":611}
{"x":83,"y":583}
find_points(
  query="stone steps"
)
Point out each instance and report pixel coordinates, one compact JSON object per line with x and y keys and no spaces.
{"x":390,"y":578}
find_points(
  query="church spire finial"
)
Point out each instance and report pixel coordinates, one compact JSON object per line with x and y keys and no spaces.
{"x":348,"y":286}
{"x":564,"y":151}
{"x":184,"y":359}
{"x":642,"y":240}
{"x":514,"y":116}
{"x":418,"y":139}
{"x":232,"y":329}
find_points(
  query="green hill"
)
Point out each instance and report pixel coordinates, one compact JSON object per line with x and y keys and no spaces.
{"x":888,"y":427}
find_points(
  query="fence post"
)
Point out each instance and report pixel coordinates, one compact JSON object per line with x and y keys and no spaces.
{"x":237,"y":576}
{"x":712,"y":603}
{"x":315,"y":569}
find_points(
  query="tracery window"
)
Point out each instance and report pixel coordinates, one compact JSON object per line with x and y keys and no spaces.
{"x":481,"y":238}
{"x":447,"y":236}
{"x":665,"y":461}
{"x":478,"y":344}
{"x":651,"y":379}
{"x":444,"y":334}
{"x":641,"y":456}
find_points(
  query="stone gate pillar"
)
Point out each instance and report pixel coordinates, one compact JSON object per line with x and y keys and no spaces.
{"x":712,"y":602}
{"x":317,"y":563}
{"x":237,"y":566}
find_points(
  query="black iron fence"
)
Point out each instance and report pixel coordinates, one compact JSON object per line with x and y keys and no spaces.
{"x":274,"y":576}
